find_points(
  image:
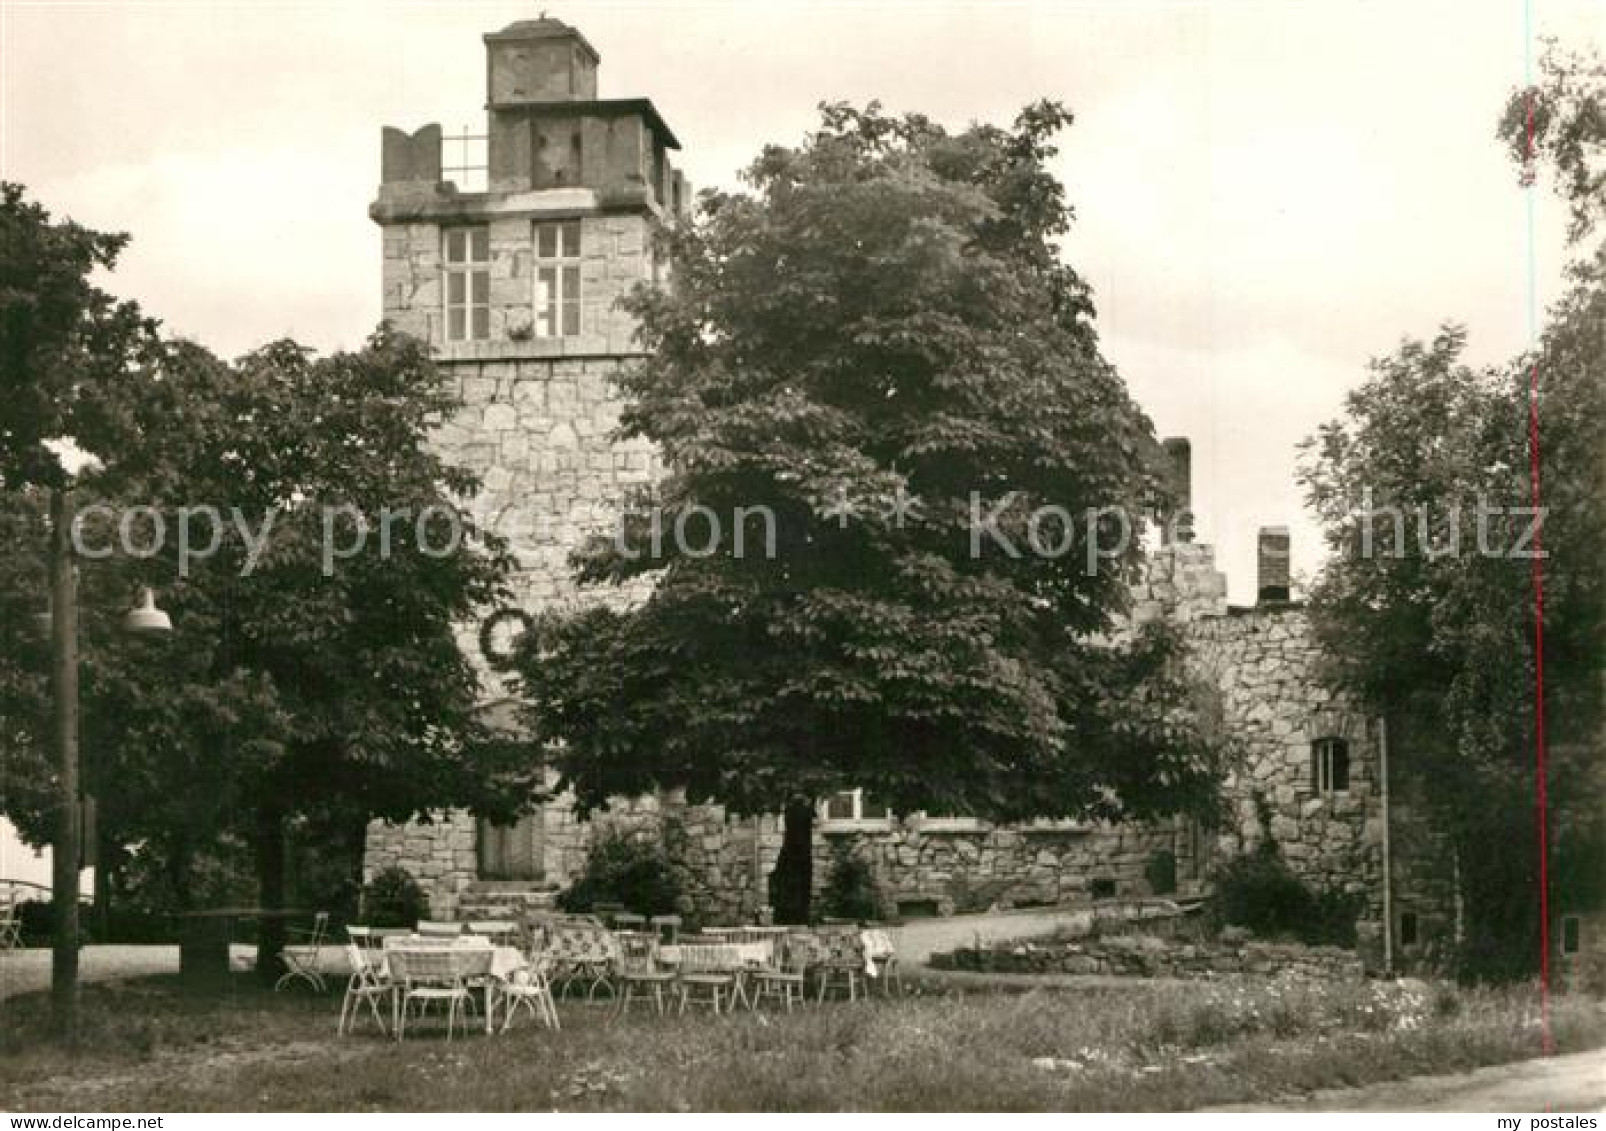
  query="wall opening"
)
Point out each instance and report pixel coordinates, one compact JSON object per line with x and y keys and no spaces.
{"x":1329,"y":766}
{"x":1572,"y":934}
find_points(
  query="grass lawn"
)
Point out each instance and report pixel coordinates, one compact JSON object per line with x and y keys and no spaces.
{"x":147,"y":1047}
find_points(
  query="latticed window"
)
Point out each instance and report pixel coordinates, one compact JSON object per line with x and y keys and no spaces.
{"x":466,"y":260}
{"x":1329,"y":766}
{"x":853,"y":805}
{"x":557,"y":279}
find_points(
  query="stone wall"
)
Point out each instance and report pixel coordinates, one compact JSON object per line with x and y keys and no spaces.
{"x":1141,"y":955}
{"x":439,"y":854}
{"x":1266,"y":663}
{"x":943,"y":868}
{"x":724,"y":861}
{"x":539,"y":433}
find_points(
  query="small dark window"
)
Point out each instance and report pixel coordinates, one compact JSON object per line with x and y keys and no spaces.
{"x":1572,"y":929}
{"x":1103,"y":889}
{"x":1329,"y":766}
{"x":1409,"y":931}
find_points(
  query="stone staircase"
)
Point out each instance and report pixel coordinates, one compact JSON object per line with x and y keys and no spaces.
{"x":505,"y":899}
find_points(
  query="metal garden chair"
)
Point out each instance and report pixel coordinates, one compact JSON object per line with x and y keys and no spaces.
{"x":366,"y":986}
{"x":301,"y":959}
{"x":532,"y":988}
{"x":436,"y":974}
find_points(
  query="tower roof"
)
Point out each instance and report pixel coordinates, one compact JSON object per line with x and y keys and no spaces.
{"x":544,"y":27}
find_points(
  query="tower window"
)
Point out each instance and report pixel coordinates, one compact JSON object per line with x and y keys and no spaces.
{"x":1572,"y":929}
{"x":466,"y":258}
{"x":557,"y":279}
{"x":1329,"y":766}
{"x":1410,"y":930}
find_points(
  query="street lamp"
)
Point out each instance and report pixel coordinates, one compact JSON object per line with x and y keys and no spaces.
{"x":67,"y":844}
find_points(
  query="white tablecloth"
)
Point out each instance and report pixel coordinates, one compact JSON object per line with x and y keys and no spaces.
{"x":505,"y":960}
{"x":738,"y":956}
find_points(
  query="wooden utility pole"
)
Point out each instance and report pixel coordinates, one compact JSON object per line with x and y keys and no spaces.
{"x":64,"y":693}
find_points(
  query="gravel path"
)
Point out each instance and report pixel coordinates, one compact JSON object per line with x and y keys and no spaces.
{"x":28,"y":971}
{"x":1561,"y":1083}
{"x":918,"y":939}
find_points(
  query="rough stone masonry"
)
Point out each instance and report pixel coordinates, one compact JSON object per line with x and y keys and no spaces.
{"x":515,"y":282}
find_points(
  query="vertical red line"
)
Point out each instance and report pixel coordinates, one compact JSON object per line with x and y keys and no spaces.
{"x":1541,"y":793}
{"x":1541,"y":788}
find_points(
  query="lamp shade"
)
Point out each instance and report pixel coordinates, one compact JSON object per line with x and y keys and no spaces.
{"x":147,"y":618}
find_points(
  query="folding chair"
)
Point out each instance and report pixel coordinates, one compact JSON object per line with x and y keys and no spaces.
{"x":532,"y":988}
{"x":301,"y":959}
{"x":366,"y":986}
{"x":10,"y":927}
{"x":436,"y":974}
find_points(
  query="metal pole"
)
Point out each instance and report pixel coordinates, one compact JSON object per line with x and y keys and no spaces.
{"x":64,"y":694}
{"x":1388,"y":868}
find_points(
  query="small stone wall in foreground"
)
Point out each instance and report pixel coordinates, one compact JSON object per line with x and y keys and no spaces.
{"x":1151,"y":957}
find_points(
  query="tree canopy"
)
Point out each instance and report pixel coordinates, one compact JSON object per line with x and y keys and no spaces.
{"x":879,"y":348}
{"x":1434,"y":619}
{"x":314,"y":673}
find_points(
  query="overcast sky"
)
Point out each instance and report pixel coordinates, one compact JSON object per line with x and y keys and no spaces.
{"x":1266,"y":194}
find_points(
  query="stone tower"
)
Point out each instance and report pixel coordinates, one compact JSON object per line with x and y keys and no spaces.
{"x":511,"y":268}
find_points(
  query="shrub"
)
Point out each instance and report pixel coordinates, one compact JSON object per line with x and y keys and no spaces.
{"x":1261,"y":894}
{"x":1333,"y":916}
{"x":849,"y":889}
{"x":393,"y":899}
{"x":633,"y":868}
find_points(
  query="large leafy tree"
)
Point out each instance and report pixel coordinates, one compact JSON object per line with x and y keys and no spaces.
{"x":313,"y":680}
{"x":880,"y":347}
{"x":1435,"y":622}
{"x":63,"y":340}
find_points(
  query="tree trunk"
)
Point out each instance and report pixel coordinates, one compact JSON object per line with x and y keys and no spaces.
{"x":792,"y":881}
{"x":179,"y":862}
{"x":270,"y":888}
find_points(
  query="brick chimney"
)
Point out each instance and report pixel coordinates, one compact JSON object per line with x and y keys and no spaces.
{"x":1177,"y":522}
{"x":1272,"y":558}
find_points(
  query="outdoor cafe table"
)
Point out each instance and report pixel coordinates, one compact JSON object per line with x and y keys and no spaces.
{"x":505,"y":960}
